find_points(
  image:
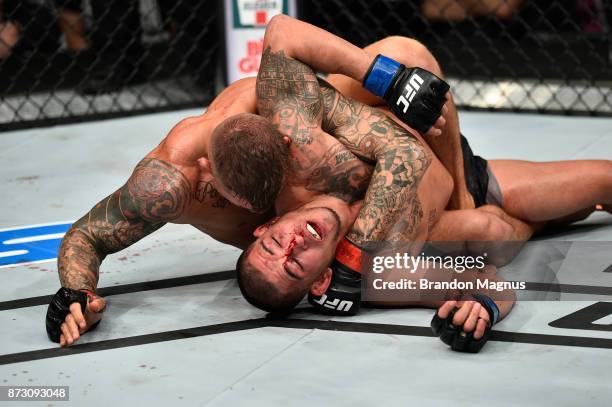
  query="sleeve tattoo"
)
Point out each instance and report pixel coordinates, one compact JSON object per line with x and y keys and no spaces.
{"x":299,"y":104}
{"x":392,"y":211}
{"x":288,"y":94}
{"x":156,"y":193}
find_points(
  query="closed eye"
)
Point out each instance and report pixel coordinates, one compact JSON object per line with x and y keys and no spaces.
{"x":296,"y":261}
{"x":266,"y":248}
{"x":292,"y":275}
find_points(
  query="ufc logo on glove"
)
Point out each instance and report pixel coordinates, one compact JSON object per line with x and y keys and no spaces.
{"x":335,"y":304}
{"x":410,"y":90}
{"x":398,"y":86}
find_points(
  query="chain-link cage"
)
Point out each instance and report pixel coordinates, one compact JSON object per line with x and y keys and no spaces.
{"x":527,"y":55}
{"x":65,"y":60}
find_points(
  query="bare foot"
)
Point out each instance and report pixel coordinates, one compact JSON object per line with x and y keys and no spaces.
{"x":9,"y":35}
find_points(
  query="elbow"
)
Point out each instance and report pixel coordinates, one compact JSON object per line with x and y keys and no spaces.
{"x":281,"y":35}
{"x":276,"y":31}
{"x":278,"y":20}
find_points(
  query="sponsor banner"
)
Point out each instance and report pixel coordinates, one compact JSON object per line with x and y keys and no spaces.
{"x":245,"y":25}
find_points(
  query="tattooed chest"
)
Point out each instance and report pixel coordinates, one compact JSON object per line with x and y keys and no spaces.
{"x":207,"y":195}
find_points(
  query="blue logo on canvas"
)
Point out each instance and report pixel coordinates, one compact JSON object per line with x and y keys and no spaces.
{"x":31,"y":244}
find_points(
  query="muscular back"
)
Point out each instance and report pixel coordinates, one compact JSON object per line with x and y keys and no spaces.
{"x":166,"y":186}
{"x":186,"y":143}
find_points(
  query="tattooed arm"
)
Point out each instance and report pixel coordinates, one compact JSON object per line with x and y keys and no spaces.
{"x":392,"y":211}
{"x":288,"y":93}
{"x":317,"y":48}
{"x":156,"y":193}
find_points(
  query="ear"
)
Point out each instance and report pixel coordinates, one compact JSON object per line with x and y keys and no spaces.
{"x":204,"y":164}
{"x":264,"y":228}
{"x":321,"y":284}
{"x":205,"y":169}
{"x":287,"y":140}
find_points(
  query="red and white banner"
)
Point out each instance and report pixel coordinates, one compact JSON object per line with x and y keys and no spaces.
{"x":245,"y":24}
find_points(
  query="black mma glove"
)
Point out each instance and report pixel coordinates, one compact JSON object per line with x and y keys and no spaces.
{"x":455,"y":337}
{"x":343,"y":297}
{"x":60,"y":307}
{"x":414,"y":95}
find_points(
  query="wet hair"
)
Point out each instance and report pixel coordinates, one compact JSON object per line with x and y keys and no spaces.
{"x":261,"y":292}
{"x":250,"y":158}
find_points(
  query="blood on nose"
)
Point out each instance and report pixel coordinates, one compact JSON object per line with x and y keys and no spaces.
{"x":292,"y":244}
{"x":289,"y":250}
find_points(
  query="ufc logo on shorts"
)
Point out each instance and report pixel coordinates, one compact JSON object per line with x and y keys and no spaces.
{"x":335,"y":304}
{"x":411,"y":89}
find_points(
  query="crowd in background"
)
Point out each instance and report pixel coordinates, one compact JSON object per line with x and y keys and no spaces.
{"x":108,"y":39}
{"x":106,"y":36}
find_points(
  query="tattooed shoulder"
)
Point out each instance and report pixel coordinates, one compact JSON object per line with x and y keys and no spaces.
{"x":158,"y":190}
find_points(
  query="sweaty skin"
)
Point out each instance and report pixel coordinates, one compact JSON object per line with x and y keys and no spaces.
{"x":395,"y":208}
{"x":348,"y":64}
{"x":173,"y":184}
{"x":408,"y":183}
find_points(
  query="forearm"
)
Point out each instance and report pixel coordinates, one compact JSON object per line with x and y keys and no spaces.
{"x":392,"y":211}
{"x":91,"y":239}
{"x":315,"y":47}
{"x":155,"y":193}
{"x":78,"y":261}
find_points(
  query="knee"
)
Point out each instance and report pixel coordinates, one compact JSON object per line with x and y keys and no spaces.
{"x":409,"y":52}
{"x":487,"y":227}
{"x":498,"y":230}
{"x":602,"y":176}
{"x":491,"y":210}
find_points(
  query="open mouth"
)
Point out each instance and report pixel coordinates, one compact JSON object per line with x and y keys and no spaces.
{"x":314,"y":230}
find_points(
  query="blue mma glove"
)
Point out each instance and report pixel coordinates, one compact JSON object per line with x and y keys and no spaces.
{"x":414,"y":95}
